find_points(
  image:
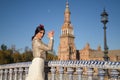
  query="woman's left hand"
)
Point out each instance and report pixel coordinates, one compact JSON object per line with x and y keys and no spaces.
{"x":50,"y":34}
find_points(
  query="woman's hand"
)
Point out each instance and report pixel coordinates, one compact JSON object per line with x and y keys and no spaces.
{"x":51,"y":34}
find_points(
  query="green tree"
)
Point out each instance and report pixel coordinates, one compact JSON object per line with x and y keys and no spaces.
{"x":5,"y":57}
{"x":27,"y":56}
{"x":2,"y":57}
{"x":51,"y":56}
{"x":3,"y":47}
{"x":16,"y":57}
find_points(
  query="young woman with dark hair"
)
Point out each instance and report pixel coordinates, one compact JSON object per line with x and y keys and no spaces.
{"x":36,"y":69}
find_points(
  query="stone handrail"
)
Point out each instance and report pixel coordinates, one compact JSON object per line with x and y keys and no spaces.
{"x":83,"y":63}
{"x":15,"y":65}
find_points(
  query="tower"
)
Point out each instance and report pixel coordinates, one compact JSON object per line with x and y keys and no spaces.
{"x":67,"y":49}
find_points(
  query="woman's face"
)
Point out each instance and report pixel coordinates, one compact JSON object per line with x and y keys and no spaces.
{"x":40,"y":34}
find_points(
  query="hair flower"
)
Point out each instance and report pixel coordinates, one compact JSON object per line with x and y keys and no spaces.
{"x":41,"y":26}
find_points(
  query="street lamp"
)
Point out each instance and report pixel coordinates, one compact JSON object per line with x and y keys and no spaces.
{"x":104,"y":20}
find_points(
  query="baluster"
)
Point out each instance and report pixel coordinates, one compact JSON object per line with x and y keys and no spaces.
{"x":79,"y":72}
{"x":15,"y":72}
{"x":53,"y":70}
{"x":26,"y":71}
{"x":61,"y":70}
{"x":114,"y":74}
{"x":70,"y":73}
{"x":1,"y":73}
{"x":10,"y":73}
{"x":21,"y":73}
{"x":46,"y":70}
{"x":6,"y":74}
{"x":101,"y":74}
{"x":90,"y":73}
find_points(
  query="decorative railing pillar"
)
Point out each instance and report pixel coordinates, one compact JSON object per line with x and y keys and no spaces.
{"x":46,"y":70}
{"x":10,"y":73}
{"x":90,"y":73}
{"x":6,"y":74}
{"x":1,"y":73}
{"x":53,"y":70}
{"x":79,"y":72}
{"x":61,"y":71}
{"x":21,"y":73}
{"x":26,"y":71}
{"x":114,"y":74}
{"x":101,"y":74}
{"x":15,"y":71}
{"x":70,"y":73}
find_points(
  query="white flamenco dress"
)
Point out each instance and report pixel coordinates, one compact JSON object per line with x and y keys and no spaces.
{"x":36,"y":69}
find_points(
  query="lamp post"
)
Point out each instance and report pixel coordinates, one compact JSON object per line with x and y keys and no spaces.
{"x":104,"y":20}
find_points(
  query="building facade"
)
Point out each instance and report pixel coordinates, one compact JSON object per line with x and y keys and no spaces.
{"x":67,"y":49}
{"x":87,"y":53}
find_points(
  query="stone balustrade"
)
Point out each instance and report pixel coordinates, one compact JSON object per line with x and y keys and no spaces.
{"x":65,"y":70}
{"x":85,"y":70}
{"x":15,"y":71}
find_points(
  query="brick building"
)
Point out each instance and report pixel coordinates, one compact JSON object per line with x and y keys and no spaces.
{"x":67,"y":49}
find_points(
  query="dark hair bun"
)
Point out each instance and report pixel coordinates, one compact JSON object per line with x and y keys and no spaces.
{"x":41,"y":26}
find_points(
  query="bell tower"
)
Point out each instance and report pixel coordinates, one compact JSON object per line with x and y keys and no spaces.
{"x":67,"y":49}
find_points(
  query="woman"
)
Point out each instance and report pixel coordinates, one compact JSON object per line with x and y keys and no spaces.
{"x":36,"y":69}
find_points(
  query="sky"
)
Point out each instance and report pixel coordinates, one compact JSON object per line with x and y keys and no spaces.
{"x":19,"y":19}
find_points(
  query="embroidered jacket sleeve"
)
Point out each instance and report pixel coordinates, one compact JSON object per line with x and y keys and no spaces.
{"x":44,"y":46}
{"x":39,"y":48}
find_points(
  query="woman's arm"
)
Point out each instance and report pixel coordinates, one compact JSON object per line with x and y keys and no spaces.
{"x":48,"y":46}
